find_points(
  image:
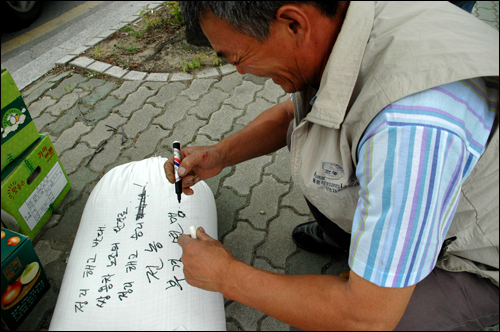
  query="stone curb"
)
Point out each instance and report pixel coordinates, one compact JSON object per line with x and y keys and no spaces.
{"x":75,"y":60}
{"x":132,"y":75}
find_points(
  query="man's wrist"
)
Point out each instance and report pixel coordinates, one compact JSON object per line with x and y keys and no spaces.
{"x":222,"y":149}
{"x":228,"y":284}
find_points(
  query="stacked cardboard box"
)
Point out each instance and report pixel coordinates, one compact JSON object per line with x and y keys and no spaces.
{"x":23,"y":278}
{"x":33,"y":180}
{"x":33,"y":186}
{"x":34,"y":183}
{"x":18,"y":129}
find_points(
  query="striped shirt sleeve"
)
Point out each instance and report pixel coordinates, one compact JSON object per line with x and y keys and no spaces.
{"x":412,"y":162}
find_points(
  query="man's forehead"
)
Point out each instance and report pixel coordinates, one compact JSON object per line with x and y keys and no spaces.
{"x":210,"y":22}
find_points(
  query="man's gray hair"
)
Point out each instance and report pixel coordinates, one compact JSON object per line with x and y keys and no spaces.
{"x":252,"y":18}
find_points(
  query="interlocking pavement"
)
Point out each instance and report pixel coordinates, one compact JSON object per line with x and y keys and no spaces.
{"x":258,"y":205}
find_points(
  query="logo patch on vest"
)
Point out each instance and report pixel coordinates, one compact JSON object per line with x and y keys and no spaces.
{"x":332,"y":171}
{"x":328,"y":178}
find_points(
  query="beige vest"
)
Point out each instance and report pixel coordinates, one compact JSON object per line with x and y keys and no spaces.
{"x":384,"y":52}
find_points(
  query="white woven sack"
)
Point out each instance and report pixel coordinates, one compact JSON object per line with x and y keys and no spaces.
{"x":124,"y":271}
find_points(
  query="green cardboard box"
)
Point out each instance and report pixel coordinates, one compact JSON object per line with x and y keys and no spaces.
{"x":18,"y":129}
{"x":23,"y":279}
{"x":33,"y":186}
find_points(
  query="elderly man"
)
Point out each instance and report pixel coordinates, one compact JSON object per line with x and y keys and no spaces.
{"x":392,"y":127}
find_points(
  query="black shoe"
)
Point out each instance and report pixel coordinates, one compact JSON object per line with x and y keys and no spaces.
{"x":309,"y":236}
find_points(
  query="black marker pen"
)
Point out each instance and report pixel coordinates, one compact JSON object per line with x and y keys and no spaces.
{"x":177,"y":162}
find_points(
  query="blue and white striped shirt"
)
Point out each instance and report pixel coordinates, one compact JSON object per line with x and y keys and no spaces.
{"x":412,"y":161}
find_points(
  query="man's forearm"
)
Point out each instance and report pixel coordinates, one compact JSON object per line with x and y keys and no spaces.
{"x":316,"y":302}
{"x":311,"y":302}
{"x":265,"y":134}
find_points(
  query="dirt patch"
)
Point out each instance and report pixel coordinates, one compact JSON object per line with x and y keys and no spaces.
{"x":155,"y":43}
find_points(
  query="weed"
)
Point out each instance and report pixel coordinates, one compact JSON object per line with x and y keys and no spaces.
{"x":127,"y":64}
{"x":216,"y":60}
{"x":132,"y":49}
{"x":176,"y":16}
{"x":137,"y":34}
{"x":132,"y":32}
{"x":69,"y":88}
{"x":195,"y":63}
{"x":129,"y":49}
{"x":152,"y":20}
{"x":199,"y":59}
{"x":93,"y":74}
{"x":97,"y":52}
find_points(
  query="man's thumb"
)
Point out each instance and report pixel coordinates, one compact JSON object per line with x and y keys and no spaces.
{"x":185,"y":166}
{"x":201,"y":235}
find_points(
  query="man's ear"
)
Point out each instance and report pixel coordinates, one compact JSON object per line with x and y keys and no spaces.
{"x":295,"y":22}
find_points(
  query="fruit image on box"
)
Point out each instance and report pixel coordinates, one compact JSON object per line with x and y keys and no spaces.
{"x":33,"y":186}
{"x":23,"y":279}
{"x":18,"y":129}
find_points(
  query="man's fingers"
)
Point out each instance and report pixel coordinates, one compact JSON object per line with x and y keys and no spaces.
{"x":184,"y":168}
{"x":187,"y":163}
{"x":187,"y":181}
{"x":200,"y":233}
{"x":183,"y":239}
{"x":169,"y":170}
{"x":187,"y":191}
{"x":190,"y":180}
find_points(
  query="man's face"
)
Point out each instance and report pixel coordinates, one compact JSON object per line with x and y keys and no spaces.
{"x":274,"y":58}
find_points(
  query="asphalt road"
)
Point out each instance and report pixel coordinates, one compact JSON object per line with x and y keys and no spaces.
{"x":63,"y":27}
{"x":51,"y":10}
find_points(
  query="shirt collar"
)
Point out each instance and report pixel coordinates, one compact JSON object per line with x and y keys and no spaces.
{"x":342,"y":68}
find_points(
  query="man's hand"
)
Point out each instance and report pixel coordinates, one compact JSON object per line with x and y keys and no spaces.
{"x":197,"y":163}
{"x":310,"y":302}
{"x":206,"y":261}
{"x":264,"y":135}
